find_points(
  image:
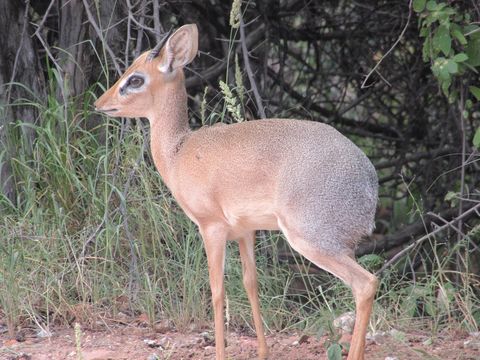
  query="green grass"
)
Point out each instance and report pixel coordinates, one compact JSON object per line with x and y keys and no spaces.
{"x":70,"y":251}
{"x":93,"y":232}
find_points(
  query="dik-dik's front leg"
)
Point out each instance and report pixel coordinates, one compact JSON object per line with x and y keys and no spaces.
{"x":214,"y":238}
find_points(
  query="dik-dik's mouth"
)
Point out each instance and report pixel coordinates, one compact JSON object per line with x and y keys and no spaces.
{"x":107,"y":111}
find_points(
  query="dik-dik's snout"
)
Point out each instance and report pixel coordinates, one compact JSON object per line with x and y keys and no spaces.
{"x":107,"y":104}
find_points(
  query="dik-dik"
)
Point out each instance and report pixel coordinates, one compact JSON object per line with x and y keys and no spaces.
{"x":303,"y":178}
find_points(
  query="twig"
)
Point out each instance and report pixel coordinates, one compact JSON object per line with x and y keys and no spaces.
{"x":258,"y":99}
{"x":92,"y":237}
{"x":205,"y":76}
{"x":400,"y":254}
{"x":127,"y":41}
{"x":383,"y":78}
{"x":445,"y":221}
{"x":156,"y":21}
{"x":391,"y":49}
{"x":430,"y":155}
{"x":221,"y":64}
{"x":143,"y":26}
{"x":140,"y":30}
{"x":50,"y":56}
{"x":456,"y":229}
{"x":44,"y":18}
{"x":388,"y":133}
{"x":92,"y":21}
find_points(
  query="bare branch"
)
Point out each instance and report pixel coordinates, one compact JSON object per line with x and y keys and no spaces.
{"x":405,"y":251}
{"x":251,"y":78}
{"x":94,"y":24}
{"x":44,"y":18}
{"x":392,"y":48}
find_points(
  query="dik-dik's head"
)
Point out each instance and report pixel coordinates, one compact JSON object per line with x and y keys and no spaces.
{"x":134,"y":94}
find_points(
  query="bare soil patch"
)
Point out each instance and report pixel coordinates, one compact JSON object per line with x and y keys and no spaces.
{"x":136,"y":342}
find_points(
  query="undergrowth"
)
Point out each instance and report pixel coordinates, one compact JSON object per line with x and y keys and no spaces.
{"x":94,"y":233}
{"x":69,"y":255}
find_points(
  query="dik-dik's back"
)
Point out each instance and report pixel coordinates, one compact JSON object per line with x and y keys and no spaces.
{"x":255,"y":175}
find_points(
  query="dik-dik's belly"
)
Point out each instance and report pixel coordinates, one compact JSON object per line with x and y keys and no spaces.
{"x":239,"y":214}
{"x":239,"y":225}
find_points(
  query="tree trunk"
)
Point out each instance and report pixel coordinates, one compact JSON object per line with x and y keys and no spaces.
{"x":18,"y":65}
{"x":79,"y":62}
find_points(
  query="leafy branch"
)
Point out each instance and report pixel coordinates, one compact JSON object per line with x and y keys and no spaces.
{"x":452,"y":46}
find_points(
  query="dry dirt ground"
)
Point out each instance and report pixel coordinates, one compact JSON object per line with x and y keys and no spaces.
{"x":142,"y":343}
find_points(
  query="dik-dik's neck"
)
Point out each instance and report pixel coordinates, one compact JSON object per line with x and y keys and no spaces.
{"x":168,"y":126}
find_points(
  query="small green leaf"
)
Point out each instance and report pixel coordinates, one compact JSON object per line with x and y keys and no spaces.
{"x":461,"y":57}
{"x":476,"y":314}
{"x":426,"y":50}
{"x":473,"y":52}
{"x":436,"y":66}
{"x":431,"y":5}
{"x":439,"y":68}
{"x":334,"y":352}
{"x":446,"y":85}
{"x":443,"y":72}
{"x":451,"y":195}
{"x":452,"y":96}
{"x":448,"y":11}
{"x":452,"y":198}
{"x":452,"y":67}
{"x":442,"y":40}
{"x":419,"y":5}
{"x":371,"y":261}
{"x":475,"y":92}
{"x":457,"y":34}
{"x":429,"y":19}
{"x":427,"y":342}
{"x":472,"y":30}
{"x":476,"y":139}
{"x":443,"y":18}
{"x":429,"y":307}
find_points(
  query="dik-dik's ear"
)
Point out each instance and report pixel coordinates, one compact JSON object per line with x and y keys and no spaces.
{"x":180,"y":49}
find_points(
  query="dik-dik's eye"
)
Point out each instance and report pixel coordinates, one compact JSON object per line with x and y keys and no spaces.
{"x":135,"y":82}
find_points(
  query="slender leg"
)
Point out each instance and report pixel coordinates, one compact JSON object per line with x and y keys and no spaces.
{"x":214,"y":238}
{"x":246,"y":245}
{"x":363,"y":284}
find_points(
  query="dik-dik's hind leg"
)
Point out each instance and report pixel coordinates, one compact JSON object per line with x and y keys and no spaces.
{"x":363,"y":284}
{"x":247,"y":246}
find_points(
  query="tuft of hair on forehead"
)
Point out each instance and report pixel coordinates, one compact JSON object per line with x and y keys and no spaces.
{"x":156,"y":50}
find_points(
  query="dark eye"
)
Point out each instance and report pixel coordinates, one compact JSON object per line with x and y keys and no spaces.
{"x":135,"y":82}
